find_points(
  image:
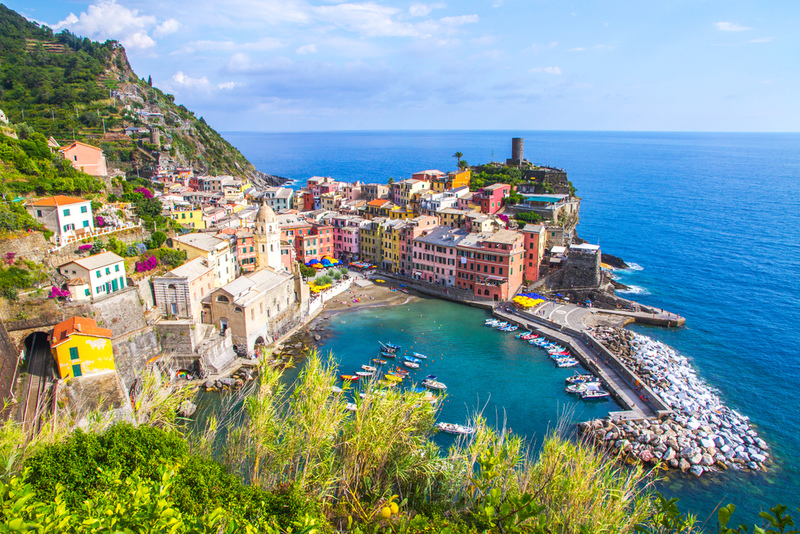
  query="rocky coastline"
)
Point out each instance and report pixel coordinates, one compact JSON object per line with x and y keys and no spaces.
{"x":702,"y":435}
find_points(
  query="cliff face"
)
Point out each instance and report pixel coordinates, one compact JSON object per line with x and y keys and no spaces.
{"x":72,"y":88}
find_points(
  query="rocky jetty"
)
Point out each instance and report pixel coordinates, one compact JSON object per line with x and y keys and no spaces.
{"x":702,"y":435}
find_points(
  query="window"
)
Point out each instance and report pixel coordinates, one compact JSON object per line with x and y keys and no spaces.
{"x":86,"y":292}
{"x":98,"y":274}
{"x":116,"y":268}
{"x":222,"y":298}
{"x":84,"y":209}
{"x":108,"y":270}
{"x":73,"y":353}
{"x":85,"y":224}
{"x":38,"y":213}
{"x":66,"y":212}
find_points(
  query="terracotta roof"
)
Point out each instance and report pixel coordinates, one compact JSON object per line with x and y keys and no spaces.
{"x":76,"y":143}
{"x":378,"y":202}
{"x":59,"y":200}
{"x":77,"y":325}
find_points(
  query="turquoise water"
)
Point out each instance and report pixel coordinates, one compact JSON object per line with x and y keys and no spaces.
{"x":484,"y":369}
{"x":712,"y":220}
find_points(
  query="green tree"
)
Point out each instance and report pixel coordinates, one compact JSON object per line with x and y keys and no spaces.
{"x":458,"y":156}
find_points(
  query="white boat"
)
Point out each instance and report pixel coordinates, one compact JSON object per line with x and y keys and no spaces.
{"x":420,"y":356}
{"x":594,"y":394}
{"x":351,"y":407}
{"x":369,"y":368}
{"x":579,"y":378}
{"x":433,"y":384}
{"x":410,"y":364}
{"x":567,"y":362}
{"x":452,"y":428}
{"x":365,"y":374}
{"x":336,"y":389}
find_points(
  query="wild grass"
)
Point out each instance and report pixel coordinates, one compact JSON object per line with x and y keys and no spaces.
{"x":302,"y":435}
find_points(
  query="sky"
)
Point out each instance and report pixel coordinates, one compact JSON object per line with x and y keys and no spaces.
{"x":320,"y":65}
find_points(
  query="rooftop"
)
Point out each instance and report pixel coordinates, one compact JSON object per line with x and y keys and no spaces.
{"x":59,"y":200}
{"x":97,"y":261}
{"x":190,"y":270}
{"x":443,"y":236}
{"x":246,"y":289}
{"x":77,"y":325}
{"x":206,"y":242}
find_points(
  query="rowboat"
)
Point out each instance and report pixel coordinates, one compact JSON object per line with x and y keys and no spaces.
{"x":387,"y":383}
{"x":523,"y":334}
{"x":351,"y":378}
{"x":378,"y":361}
{"x":336,"y":389}
{"x":364,"y":374}
{"x":351,"y":407}
{"x":568,"y":362}
{"x":411,"y":359}
{"x":399,"y":371}
{"x":369,"y":368}
{"x":410,"y":364}
{"x":420,"y":356}
{"x":433,"y":384}
{"x":452,"y":428}
{"x":390,"y":347}
{"x":388,"y":354}
{"x":393,"y":377}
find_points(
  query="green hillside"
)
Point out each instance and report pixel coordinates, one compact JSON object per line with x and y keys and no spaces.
{"x":74,"y":88}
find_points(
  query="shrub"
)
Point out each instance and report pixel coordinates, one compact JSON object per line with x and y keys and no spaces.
{"x":157,"y":239}
{"x":56,"y":292}
{"x":146,"y":193}
{"x":147,"y":264}
{"x":85,"y":247}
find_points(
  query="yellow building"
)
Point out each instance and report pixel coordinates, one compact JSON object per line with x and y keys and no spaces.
{"x":453,"y":180}
{"x":370,"y":241}
{"x":191,"y":218}
{"x":81,"y":348}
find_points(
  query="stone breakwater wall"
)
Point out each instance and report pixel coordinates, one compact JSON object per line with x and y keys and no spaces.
{"x":702,"y":435}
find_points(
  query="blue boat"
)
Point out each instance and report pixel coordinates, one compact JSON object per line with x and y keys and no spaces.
{"x":420,"y":356}
{"x":411,"y":359}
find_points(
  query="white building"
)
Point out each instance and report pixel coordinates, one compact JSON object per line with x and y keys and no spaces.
{"x":67,"y":217}
{"x":216,"y":251}
{"x":267,"y":235}
{"x":96,"y":276}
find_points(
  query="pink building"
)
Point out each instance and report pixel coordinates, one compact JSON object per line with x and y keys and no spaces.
{"x":345,"y":242}
{"x":86,"y":158}
{"x":428,"y":176}
{"x":535,"y":241}
{"x":352,"y":191}
{"x":409,"y":231}
{"x":491,"y":264}
{"x":491,"y":198}
{"x":435,"y":255}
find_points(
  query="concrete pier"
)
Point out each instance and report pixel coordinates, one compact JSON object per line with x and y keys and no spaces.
{"x":637,"y":400}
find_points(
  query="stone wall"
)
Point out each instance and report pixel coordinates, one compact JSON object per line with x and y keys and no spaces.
{"x":145,"y":289}
{"x":132,"y":352}
{"x":122,"y":312}
{"x":68,"y":253}
{"x":581,"y":270}
{"x":30,"y":246}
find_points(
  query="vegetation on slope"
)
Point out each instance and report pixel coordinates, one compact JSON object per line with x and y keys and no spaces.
{"x":298,"y":461}
{"x":61,"y":85}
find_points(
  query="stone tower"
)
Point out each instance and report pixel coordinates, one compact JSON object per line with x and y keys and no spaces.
{"x":267,"y":239}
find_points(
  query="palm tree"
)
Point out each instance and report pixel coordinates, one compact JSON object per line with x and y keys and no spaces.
{"x":458,"y":156}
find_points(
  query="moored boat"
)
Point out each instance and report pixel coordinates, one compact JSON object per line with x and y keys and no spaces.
{"x":388,"y":354}
{"x":594,"y":394}
{"x":351,"y":407}
{"x":452,"y":428}
{"x":410,"y":364}
{"x":411,"y":359}
{"x":350,"y":378}
{"x":364,"y":374}
{"x":420,"y":356}
{"x":399,"y":371}
{"x":523,"y":334}
{"x":579,"y":378}
{"x":378,"y":361}
{"x":433,"y":384}
{"x":369,"y":368}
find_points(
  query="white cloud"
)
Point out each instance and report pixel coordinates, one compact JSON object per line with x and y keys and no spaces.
{"x":419,"y":10}
{"x":167,"y":27}
{"x":577,"y":49}
{"x":190,"y":83}
{"x":731,"y":27}
{"x":106,"y":19}
{"x":307,"y":49}
{"x":227,"y":85}
{"x":546,"y":70}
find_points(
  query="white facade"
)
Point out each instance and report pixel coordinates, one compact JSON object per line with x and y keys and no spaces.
{"x":267,"y":235}
{"x":96,"y":276}
{"x":65,"y":216}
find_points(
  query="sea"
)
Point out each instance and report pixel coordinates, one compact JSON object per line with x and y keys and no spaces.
{"x":708,"y":222}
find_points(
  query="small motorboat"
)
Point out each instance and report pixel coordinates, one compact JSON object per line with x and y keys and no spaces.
{"x":452,"y":428}
{"x":420,"y":356}
{"x":351,"y":407}
{"x":388,"y":354}
{"x":403,"y":290}
{"x":378,"y":361}
{"x":580,"y":378}
{"x":411,"y":359}
{"x":387,"y":383}
{"x":369,"y":368}
{"x":399,"y":371}
{"x":567,"y":362}
{"x":410,"y":364}
{"x":433,"y":384}
{"x":349,"y":378}
{"x":509,"y":328}
{"x":364,"y":374}
{"x":523,"y":334}
{"x":336,"y":389}
{"x":590,"y":394}
{"x":390,"y":347}
{"x":393,"y":377}
{"x":575,"y":388}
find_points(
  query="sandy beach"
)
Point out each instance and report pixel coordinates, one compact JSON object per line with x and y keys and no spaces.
{"x":372,"y":295}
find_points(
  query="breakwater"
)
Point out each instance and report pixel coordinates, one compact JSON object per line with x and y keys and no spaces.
{"x":701,"y":435}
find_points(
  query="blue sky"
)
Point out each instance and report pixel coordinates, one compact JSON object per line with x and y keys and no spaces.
{"x":314,"y":65}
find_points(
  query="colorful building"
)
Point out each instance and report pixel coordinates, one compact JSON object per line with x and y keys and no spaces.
{"x":81,"y":348}
{"x":491,"y":264}
{"x":192,"y":218}
{"x":491,"y":198}
{"x":535,"y":240}
{"x":216,"y":251}
{"x":85,"y":158}
{"x":435,"y":255}
{"x":179,"y":292}
{"x":67,"y":217}
{"x":94,"y":277}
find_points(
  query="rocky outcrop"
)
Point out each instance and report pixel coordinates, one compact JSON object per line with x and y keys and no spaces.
{"x":702,"y":435}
